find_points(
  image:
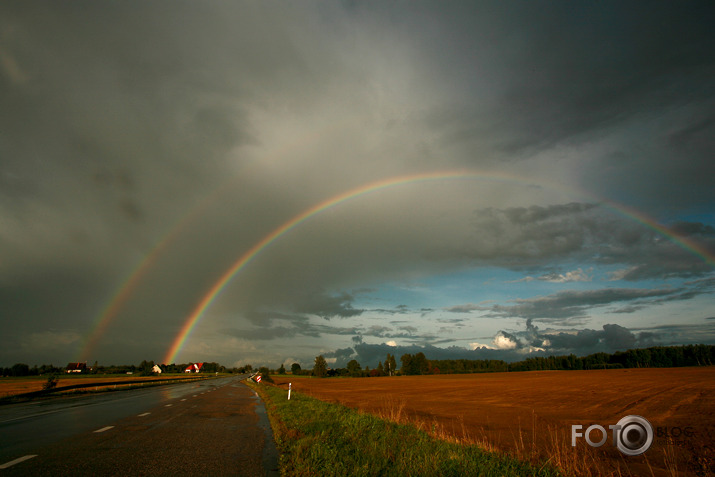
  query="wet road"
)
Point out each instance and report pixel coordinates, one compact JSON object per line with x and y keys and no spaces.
{"x":206,"y":428}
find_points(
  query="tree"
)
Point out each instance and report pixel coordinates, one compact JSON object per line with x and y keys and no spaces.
{"x":406,"y":360}
{"x":146,"y":368}
{"x":354,"y":368}
{"x":416,"y":364}
{"x":20,"y":369}
{"x":390,"y":364}
{"x":421,"y":363}
{"x":295,"y":368}
{"x":320,"y":369}
{"x":282,"y":370}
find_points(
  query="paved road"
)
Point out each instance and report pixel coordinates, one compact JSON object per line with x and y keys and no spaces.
{"x":211,"y":429}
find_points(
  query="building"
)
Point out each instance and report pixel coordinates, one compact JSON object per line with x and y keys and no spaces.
{"x":194,"y":368}
{"x":156,"y":369}
{"x":77,"y":367}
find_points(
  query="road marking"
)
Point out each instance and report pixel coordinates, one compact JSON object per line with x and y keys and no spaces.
{"x":168,"y":405}
{"x":194,"y":395}
{"x":104,"y":429}
{"x":145,"y":414}
{"x":183,"y":400}
{"x":17,"y":461}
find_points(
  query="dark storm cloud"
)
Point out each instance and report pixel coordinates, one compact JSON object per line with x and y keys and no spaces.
{"x":570,"y":75}
{"x":181,"y":135}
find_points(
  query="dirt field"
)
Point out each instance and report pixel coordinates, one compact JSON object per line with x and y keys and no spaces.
{"x":531,"y":413}
{"x":13,"y":386}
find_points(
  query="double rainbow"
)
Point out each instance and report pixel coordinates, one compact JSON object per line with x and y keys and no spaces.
{"x":196,"y":315}
{"x":125,"y":291}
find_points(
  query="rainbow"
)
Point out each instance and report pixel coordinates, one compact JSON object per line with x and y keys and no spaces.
{"x":193,"y":319}
{"x":120,"y":298}
{"x":684,"y":242}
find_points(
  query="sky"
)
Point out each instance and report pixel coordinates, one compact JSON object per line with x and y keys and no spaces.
{"x":263,"y":182}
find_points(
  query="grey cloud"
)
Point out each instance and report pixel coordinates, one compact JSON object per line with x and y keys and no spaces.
{"x":327,"y":306}
{"x":270,"y":333}
{"x":566,"y":305}
{"x":465,"y":308}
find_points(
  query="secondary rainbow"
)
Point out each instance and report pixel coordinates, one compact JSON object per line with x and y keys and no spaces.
{"x":125,"y":291}
{"x":120,"y":298}
{"x":197,"y":313}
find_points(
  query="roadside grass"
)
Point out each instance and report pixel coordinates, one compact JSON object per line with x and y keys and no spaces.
{"x":319,"y":438}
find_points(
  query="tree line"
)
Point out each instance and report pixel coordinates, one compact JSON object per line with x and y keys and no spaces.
{"x":654,"y":357}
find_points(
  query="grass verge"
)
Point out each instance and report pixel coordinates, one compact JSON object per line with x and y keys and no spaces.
{"x":319,"y":438}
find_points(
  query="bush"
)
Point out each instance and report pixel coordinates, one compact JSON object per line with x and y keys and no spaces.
{"x":51,"y":383}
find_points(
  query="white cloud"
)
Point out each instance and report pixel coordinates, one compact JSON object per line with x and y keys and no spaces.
{"x":577,"y":275}
{"x":503,"y":342}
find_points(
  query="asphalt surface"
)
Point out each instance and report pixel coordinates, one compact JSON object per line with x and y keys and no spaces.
{"x":217,"y":429}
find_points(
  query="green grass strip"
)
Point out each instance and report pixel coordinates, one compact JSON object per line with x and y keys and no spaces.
{"x":319,"y":438}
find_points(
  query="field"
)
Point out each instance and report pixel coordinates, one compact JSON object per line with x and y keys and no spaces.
{"x":530,"y":414}
{"x":13,"y":386}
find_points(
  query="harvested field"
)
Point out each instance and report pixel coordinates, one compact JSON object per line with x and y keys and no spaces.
{"x":530,"y":414}
{"x":14,"y":386}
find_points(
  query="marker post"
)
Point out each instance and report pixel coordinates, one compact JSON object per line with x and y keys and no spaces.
{"x":289,"y":386}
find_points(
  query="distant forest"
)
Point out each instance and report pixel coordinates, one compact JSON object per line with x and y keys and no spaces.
{"x":656,"y":357}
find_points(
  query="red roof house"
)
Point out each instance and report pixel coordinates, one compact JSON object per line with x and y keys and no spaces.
{"x":77,"y":367}
{"x":194,"y":368}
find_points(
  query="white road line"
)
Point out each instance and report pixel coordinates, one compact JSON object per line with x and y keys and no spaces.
{"x":17,"y":461}
{"x":104,"y":429}
{"x":194,"y":395}
{"x":183,"y":400}
{"x":168,"y":405}
{"x":144,"y":414}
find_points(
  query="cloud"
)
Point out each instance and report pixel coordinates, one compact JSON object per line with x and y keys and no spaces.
{"x":465,"y":308}
{"x":155,"y":146}
{"x":502,"y":340}
{"x":572,"y":276}
{"x":516,"y":345}
{"x":567,"y":305}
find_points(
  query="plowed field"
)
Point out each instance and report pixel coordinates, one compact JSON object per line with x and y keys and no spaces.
{"x":14,"y":386}
{"x":531,"y":413}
